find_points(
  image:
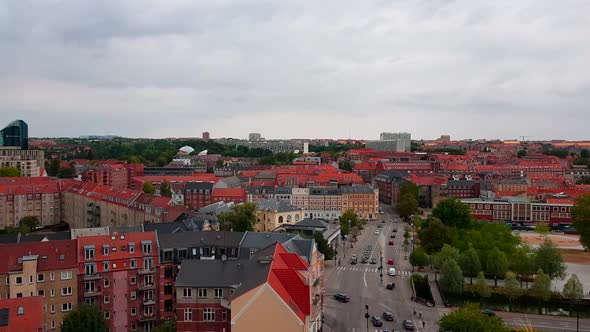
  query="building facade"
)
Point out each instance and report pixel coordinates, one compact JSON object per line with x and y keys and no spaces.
{"x":16,"y":134}
{"x":29,"y":162}
{"x":272,"y":213}
{"x":363,"y":200}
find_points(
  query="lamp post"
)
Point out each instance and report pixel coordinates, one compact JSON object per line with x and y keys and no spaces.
{"x":367,"y":316}
{"x":381,"y":268}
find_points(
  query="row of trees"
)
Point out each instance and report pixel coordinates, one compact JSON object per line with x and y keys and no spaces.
{"x":408,"y":200}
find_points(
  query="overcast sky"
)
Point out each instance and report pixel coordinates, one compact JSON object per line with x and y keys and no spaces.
{"x":287,"y":68}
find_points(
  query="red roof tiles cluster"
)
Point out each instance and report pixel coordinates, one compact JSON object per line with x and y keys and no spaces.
{"x":52,"y":255}
{"x":30,"y":319}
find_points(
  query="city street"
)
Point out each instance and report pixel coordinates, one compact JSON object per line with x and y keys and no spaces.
{"x":545,"y":323}
{"x":362,"y":283}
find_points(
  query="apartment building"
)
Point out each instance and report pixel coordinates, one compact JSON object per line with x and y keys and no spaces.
{"x":44,"y":269}
{"x":119,"y":274}
{"x":21,"y":197}
{"x":29,"y":162}
{"x":272,"y":213}
{"x":363,"y":200}
{"x":197,"y":194}
{"x":114,"y":175}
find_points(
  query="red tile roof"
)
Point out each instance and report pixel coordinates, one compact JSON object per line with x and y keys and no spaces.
{"x":50,"y":255}
{"x":566,"y":201}
{"x":30,"y":320}
{"x":228,"y":192}
{"x":205,"y":177}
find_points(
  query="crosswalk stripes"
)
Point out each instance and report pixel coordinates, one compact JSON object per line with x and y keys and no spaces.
{"x":369,"y":269}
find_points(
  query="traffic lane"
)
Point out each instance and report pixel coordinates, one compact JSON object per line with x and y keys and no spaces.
{"x":544,"y":323}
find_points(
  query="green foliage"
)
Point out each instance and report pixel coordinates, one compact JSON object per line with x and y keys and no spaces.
{"x":470,"y":263}
{"x":573,"y":288}
{"x":560,"y":153}
{"x":482,"y":285}
{"x":9,"y":172}
{"x":165,"y":189}
{"x":542,"y":286}
{"x":469,"y":319}
{"x":346,"y":165}
{"x":409,"y":189}
{"x":447,"y":253}
{"x":581,"y":219}
{"x":84,"y":318}
{"x":548,"y":258}
{"x":433,"y":235}
{"x":406,"y":207}
{"x":28,"y":224}
{"x":167,"y":326}
{"x":452,"y":277}
{"x":542,"y":228}
{"x":52,"y":167}
{"x":453,"y":213}
{"x":496,"y":264}
{"x":419,"y":257}
{"x":522,"y":261}
{"x":484,"y":236}
{"x":345,"y":218}
{"x":521,"y":153}
{"x":511,"y":287}
{"x":241,"y":218}
{"x":323,"y":246}
{"x":333,"y":148}
{"x":148,"y":188}
{"x":66,"y":173}
{"x":585,"y":153}
{"x":281,"y":158}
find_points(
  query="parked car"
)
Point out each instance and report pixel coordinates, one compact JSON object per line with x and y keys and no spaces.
{"x":390,"y":286}
{"x":408,"y":325}
{"x":377,"y":232}
{"x":488,"y":312}
{"x":390,"y":261}
{"x":364,"y":261}
{"x":388,"y":316}
{"x":378,"y":225}
{"x":341,"y":298}
{"x":391,"y":272}
{"x":391,"y":243}
{"x":392,"y":236}
{"x":353,"y":260}
{"x":373,"y":261}
{"x":376,"y":321}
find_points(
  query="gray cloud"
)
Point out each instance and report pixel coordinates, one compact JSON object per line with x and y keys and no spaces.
{"x":296,"y":68}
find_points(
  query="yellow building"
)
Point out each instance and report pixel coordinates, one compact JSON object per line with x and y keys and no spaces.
{"x":363,"y":200}
{"x":272,"y":213}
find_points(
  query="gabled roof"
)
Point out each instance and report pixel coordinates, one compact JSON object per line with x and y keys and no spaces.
{"x":264,"y":239}
{"x":275,"y":205}
{"x":51,"y":255}
{"x":357,"y":190}
{"x":199,"y":186}
{"x":197,"y":239}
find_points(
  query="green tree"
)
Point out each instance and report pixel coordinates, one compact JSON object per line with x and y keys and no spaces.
{"x":409,"y":189}
{"x":419,"y":257}
{"x":542,"y":229}
{"x":585,"y":153}
{"x":542,"y":286}
{"x":573,"y":288}
{"x":165,"y":189}
{"x":148,"y":188}
{"x":581,"y":219}
{"x":548,"y":258}
{"x":445,"y":254}
{"x":241,"y":218}
{"x":406,"y":207}
{"x":497,"y":264}
{"x":166,"y":326}
{"x":521,"y":153}
{"x":347,"y":220}
{"x":451,"y":280}
{"x":66,"y":173}
{"x":522,"y":261}
{"x":84,"y":318}
{"x":511,"y":287}
{"x":433,"y":235}
{"x":453,"y":213}
{"x":323,"y":246}
{"x":470,"y":263}
{"x":134,"y":160}
{"x":28,"y":224}
{"x":53,"y":167}
{"x":346,"y":165}
{"x":9,"y":172}
{"x":482,"y":286}
{"x":469,"y":319}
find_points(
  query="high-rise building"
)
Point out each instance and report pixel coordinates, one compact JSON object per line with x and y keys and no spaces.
{"x":206,"y":136}
{"x":16,"y":134}
{"x":398,"y":142}
{"x":254,"y":137}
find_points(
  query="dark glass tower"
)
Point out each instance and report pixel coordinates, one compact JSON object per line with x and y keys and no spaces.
{"x":16,"y":134}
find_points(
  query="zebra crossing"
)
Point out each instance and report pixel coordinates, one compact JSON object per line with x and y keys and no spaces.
{"x":370,"y":269}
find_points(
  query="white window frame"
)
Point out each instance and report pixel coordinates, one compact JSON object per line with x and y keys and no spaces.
{"x":208,"y":314}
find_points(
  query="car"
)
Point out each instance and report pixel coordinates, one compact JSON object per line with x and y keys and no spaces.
{"x":376,"y":321}
{"x":369,"y":248}
{"x":390,"y":286}
{"x":408,"y":325}
{"x":373,"y":261}
{"x":394,"y":230}
{"x":391,"y":272}
{"x":391,"y":243}
{"x":364,"y":261}
{"x":488,"y":312}
{"x":388,"y":316}
{"x":381,"y":211}
{"x":353,"y":261}
{"x":341,"y":298}
{"x":392,"y":236}
{"x":378,"y":225}
{"x":390,"y":261}
{"x":377,"y":232}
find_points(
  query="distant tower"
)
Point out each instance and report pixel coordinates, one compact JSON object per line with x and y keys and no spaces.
{"x":206,"y":136}
{"x":254,"y":137}
{"x":16,"y":134}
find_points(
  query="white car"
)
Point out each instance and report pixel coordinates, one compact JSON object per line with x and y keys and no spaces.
{"x":391,"y":272}
{"x":377,"y":232}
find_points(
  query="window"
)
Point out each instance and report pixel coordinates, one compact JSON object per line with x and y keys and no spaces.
{"x":106,"y":265}
{"x":66,"y":307}
{"x":90,"y":268}
{"x":107,"y":283}
{"x":132,"y":248}
{"x":209,"y":314}
{"x":66,"y":291}
{"x":41,"y":292}
{"x":19,"y":294}
{"x":53,"y":308}
{"x":88,"y":253}
{"x":188,"y":315}
{"x":168,"y":289}
{"x":218,"y":293}
{"x":224,"y":315}
{"x":52,"y":292}
{"x":20,"y":311}
{"x":107,"y":315}
{"x":133,"y":295}
{"x":187,"y":292}
{"x":30,"y":279}
{"x":107,"y":299}
{"x":41,"y":277}
{"x":132,"y":280}
{"x":148,"y":263}
{"x":146,"y":247}
{"x":66,"y":275}
{"x":51,"y":276}
{"x":105,"y":250}
{"x":89,"y":286}
{"x":133,"y":264}
{"x":133,"y":311}
{"x":114,"y":265}
{"x":18,"y":280}
{"x":202,"y":293}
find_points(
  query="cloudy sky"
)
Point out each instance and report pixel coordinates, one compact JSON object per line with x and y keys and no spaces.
{"x":288,"y":68}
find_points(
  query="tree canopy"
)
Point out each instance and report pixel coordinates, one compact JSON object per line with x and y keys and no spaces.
{"x":497,"y":264}
{"x":573,"y":288}
{"x":419,"y":257}
{"x":84,"y":318}
{"x":453,"y":213}
{"x":469,"y":319}
{"x":581,"y":219}
{"x":452,"y":277}
{"x":148,"y":188}
{"x":470,"y":263}
{"x":323,"y":246}
{"x":433,"y":235}
{"x":542,"y":286}
{"x":241,"y":218}
{"x":348,"y":220}
{"x":165,"y":189}
{"x":548,"y":258}
{"x":9,"y":172}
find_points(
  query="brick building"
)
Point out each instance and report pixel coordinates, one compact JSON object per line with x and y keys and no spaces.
{"x":198,"y":194}
{"x":236,"y":195}
{"x":363,"y":200}
{"x":107,"y":174}
{"x":389,"y":184}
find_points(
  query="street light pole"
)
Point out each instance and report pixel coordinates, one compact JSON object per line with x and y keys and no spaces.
{"x":367,"y":316}
{"x":381,"y":268}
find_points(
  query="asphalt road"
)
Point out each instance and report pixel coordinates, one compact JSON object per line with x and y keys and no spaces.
{"x":362,"y":283}
{"x":545,"y":323}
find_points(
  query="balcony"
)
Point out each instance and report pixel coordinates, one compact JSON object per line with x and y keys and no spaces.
{"x":151,"y":301}
{"x":93,"y":276}
{"x":147,"y":317}
{"x":146,"y":270}
{"x":143,"y":286}
{"x":91,"y":293}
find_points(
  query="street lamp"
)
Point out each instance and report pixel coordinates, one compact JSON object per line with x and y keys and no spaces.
{"x":367,"y":316}
{"x":381,"y":268}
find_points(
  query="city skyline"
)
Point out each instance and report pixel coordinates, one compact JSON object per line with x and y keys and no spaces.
{"x":470,"y":69}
